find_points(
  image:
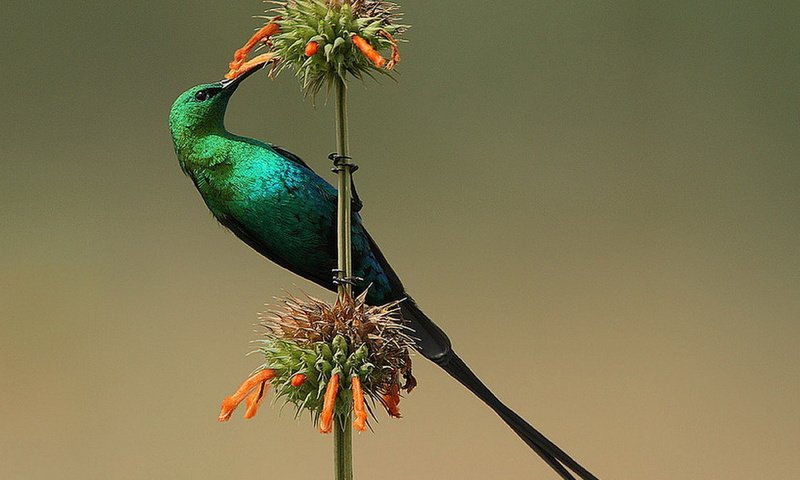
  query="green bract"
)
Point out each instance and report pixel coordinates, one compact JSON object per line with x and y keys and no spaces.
{"x":318,"y":363}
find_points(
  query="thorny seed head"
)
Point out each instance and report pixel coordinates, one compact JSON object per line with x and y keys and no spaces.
{"x":315,"y":340}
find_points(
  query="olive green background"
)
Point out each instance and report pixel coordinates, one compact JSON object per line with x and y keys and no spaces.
{"x":597,"y":200}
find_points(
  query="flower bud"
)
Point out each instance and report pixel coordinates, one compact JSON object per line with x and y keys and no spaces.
{"x":311,"y":49}
{"x":298,"y":380}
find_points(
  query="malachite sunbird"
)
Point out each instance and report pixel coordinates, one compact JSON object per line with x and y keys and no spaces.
{"x":275,"y":203}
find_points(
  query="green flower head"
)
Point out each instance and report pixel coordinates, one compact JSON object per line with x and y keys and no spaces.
{"x":327,"y":40}
{"x":327,"y":359}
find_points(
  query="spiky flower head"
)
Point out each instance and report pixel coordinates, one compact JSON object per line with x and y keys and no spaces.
{"x":327,"y":358}
{"x":323,"y":40}
{"x":326,"y":40}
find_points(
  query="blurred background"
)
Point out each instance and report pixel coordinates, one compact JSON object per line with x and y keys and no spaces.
{"x":598,"y":201}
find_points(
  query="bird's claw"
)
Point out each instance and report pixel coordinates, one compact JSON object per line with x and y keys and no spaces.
{"x":347,"y":280}
{"x":338,"y":280}
{"x":340,"y":161}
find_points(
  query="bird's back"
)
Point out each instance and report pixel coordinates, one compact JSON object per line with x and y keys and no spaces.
{"x":280,"y":207}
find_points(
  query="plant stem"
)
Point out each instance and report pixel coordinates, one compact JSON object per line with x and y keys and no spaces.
{"x":345,"y":257}
{"x":343,"y":447}
{"x":342,"y":433}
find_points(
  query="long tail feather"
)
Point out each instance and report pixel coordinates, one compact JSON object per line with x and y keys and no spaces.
{"x":434,"y":344}
{"x":550,"y":453}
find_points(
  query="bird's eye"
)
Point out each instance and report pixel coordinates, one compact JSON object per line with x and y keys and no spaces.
{"x":201,"y":96}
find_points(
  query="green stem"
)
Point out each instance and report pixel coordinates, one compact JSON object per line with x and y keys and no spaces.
{"x":345,"y":258}
{"x":343,"y":447}
{"x":342,"y":433}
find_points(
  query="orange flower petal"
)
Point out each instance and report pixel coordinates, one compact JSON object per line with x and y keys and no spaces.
{"x":391,"y":401}
{"x":241,"y":54}
{"x":230,"y":403}
{"x":250,"y":64}
{"x":254,"y":400}
{"x":369,"y":52}
{"x":359,"y":410}
{"x":329,"y":405}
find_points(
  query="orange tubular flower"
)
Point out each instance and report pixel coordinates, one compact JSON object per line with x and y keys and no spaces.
{"x":257,"y":380}
{"x":328,"y":407}
{"x":250,"y":64}
{"x":360,"y":411}
{"x":254,"y":400}
{"x":240,"y":56}
{"x":369,"y":52}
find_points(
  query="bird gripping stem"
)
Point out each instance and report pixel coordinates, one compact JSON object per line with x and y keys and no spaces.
{"x":345,"y":172}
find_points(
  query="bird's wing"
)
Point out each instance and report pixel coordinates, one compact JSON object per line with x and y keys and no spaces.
{"x":319,"y":276}
{"x":357,"y":205}
{"x":289,"y":155}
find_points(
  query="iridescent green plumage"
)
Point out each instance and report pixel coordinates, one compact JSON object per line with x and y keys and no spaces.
{"x":269,"y":197}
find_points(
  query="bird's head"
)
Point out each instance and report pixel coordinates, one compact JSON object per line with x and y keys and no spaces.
{"x":201,"y":109}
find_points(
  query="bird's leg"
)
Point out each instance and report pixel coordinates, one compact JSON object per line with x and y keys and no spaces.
{"x":240,"y":56}
{"x":338,"y":164}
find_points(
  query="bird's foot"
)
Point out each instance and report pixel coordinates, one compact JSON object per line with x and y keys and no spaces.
{"x":339,"y":163}
{"x":339,"y":280}
{"x":236,"y":66}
